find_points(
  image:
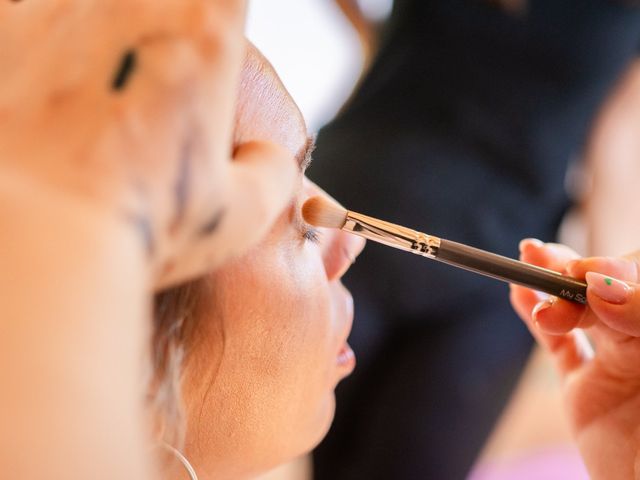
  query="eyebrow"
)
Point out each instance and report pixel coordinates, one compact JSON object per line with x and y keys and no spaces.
{"x":304,"y":155}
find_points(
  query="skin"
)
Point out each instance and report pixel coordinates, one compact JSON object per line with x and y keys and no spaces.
{"x":602,"y":388}
{"x":116,"y":123}
{"x":73,"y":335}
{"x":611,"y":156}
{"x":135,"y":119}
{"x":271,"y":325}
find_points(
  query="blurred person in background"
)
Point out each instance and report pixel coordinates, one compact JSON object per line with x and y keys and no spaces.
{"x":464,"y":126}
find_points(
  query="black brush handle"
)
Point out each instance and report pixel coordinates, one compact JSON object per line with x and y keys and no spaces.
{"x":512,"y":271}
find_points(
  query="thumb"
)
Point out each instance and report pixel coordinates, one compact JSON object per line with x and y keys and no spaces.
{"x":615,"y":303}
{"x":260,"y":184}
{"x":262,"y":180}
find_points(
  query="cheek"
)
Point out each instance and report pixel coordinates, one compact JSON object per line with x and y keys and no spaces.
{"x":305,"y":400}
{"x":273,"y":386}
{"x":305,"y":356}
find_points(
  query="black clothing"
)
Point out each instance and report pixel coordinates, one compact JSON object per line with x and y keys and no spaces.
{"x":463,"y":128}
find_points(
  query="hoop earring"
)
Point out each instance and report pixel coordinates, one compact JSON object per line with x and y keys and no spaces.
{"x":183,"y":460}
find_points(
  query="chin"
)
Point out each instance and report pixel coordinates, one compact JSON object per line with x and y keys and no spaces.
{"x":318,"y":424}
{"x":324,"y":419}
{"x":290,"y":447}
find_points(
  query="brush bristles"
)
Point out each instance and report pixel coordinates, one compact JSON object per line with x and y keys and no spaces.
{"x":322,"y":212}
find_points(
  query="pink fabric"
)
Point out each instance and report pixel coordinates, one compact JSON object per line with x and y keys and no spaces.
{"x":561,"y":463}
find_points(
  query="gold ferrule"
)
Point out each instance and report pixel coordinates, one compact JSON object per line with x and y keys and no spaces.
{"x":392,"y":235}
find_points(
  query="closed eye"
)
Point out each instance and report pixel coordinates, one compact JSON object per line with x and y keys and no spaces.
{"x":311,"y":234}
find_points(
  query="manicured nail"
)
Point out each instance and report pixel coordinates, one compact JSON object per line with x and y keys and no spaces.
{"x":530,"y":241}
{"x":548,"y":303}
{"x":608,"y":289}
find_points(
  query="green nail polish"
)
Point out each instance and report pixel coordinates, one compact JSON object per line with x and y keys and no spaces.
{"x":607,"y":288}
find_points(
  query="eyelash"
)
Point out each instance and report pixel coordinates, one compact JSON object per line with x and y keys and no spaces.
{"x":312,"y":235}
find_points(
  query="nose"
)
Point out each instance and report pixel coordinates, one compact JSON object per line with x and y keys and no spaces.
{"x":340,"y":250}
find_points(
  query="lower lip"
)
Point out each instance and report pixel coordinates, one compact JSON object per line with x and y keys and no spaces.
{"x":346,"y":359}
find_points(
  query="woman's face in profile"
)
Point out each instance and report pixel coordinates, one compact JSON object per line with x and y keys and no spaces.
{"x":272,"y":326}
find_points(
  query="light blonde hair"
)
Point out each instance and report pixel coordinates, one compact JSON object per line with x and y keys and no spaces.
{"x":174,"y":318}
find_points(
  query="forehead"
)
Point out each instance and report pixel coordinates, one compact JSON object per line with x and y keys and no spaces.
{"x":265,"y":109}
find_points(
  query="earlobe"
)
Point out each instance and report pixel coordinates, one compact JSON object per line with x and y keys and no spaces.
{"x":157,"y":423}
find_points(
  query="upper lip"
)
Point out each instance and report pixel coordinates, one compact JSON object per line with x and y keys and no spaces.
{"x":348,"y":298}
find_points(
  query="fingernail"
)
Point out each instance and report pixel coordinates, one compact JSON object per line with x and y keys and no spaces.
{"x":530,"y":241}
{"x":548,"y":303}
{"x":608,"y":289}
{"x":541,"y":296}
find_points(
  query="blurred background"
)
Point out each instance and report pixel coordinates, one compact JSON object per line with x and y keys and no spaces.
{"x":314,"y":49}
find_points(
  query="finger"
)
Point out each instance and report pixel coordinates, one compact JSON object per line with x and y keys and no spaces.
{"x":263,"y":177}
{"x":569,"y":350}
{"x":618,"y":267}
{"x":616,"y":303}
{"x":523,"y":300}
{"x":235,"y":10}
{"x":547,"y":255}
{"x":262,"y":182}
{"x":527,"y":304}
{"x":557,"y":317}
{"x":179,"y":18}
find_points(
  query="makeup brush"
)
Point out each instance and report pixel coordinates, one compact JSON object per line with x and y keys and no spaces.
{"x":322,"y":212}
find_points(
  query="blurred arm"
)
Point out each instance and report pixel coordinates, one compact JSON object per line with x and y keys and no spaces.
{"x":613,"y":157}
{"x":72,"y":329}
